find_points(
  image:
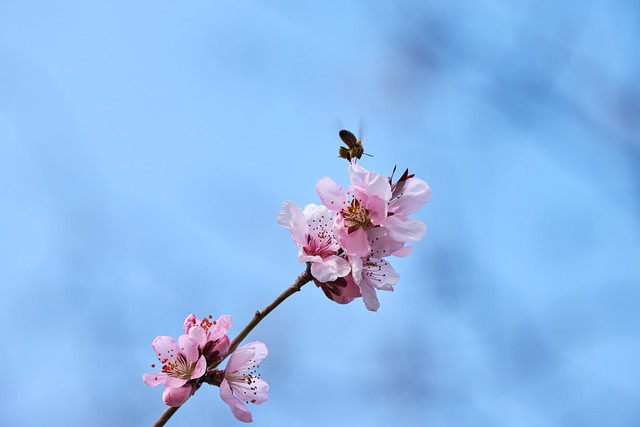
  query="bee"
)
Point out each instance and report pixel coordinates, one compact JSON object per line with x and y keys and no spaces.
{"x":353,"y":149}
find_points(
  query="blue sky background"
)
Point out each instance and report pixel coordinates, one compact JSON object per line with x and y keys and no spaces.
{"x":145,"y":148}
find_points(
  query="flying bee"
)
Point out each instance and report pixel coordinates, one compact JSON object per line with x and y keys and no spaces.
{"x":353,"y":149}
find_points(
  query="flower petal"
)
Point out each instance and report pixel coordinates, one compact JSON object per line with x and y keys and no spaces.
{"x":199,"y":335}
{"x":403,"y":251}
{"x":368,"y":292}
{"x":154,"y":378}
{"x":356,"y":243}
{"x":414,"y":193}
{"x":330,"y":268}
{"x":291,"y":217}
{"x":238,"y":408}
{"x":200,"y":368}
{"x":332,"y":195}
{"x":405,"y":229}
{"x":189,"y":347}
{"x":190,"y":322}
{"x":165,"y":348}
{"x":173,"y":382}
{"x":222,"y":326}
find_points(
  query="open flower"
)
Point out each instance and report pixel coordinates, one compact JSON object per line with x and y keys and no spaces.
{"x":312,"y":231}
{"x":241,"y":384}
{"x":181,"y":362}
{"x":374,"y":202}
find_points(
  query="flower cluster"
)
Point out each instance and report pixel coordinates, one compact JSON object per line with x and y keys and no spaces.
{"x":204,"y":344}
{"x":347,"y":239}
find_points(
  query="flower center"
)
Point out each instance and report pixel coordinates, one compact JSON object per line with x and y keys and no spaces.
{"x":321,"y":241}
{"x":249,"y":378}
{"x":179,"y":368}
{"x":356,"y":216}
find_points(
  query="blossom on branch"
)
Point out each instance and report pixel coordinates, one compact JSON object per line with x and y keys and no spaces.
{"x":181,"y":362}
{"x":210,"y":335}
{"x":241,"y":383}
{"x":361,"y":226}
{"x":185,"y":363}
{"x":312,"y":231}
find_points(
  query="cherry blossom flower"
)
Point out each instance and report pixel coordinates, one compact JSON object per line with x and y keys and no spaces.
{"x":241,"y":384}
{"x":181,"y":363}
{"x":312,"y":232}
{"x":210,"y":335}
{"x":374,"y":202}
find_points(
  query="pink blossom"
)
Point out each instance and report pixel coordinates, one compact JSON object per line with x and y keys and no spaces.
{"x":210,"y":335}
{"x":241,"y":384}
{"x":312,"y":232}
{"x":374,"y":202}
{"x":181,"y":362}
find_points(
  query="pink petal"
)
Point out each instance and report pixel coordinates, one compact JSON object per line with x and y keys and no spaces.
{"x":222,"y":326}
{"x":332,"y":195}
{"x":199,"y":335}
{"x":372,"y":183}
{"x":165,"y":348}
{"x":259,"y":349}
{"x":291,"y":217}
{"x":238,"y":408}
{"x":330,"y":268}
{"x":189,"y":347}
{"x":200,"y":369}
{"x":190,"y":322}
{"x":403,"y":251}
{"x":173,"y":382}
{"x":415,"y":193}
{"x":154,"y":378}
{"x":355,"y":170}
{"x":246,"y":357}
{"x":368,"y":292}
{"x":377,"y":207}
{"x":369,"y":297}
{"x":405,"y":229}
{"x":177,"y":396}
{"x":356,"y":243}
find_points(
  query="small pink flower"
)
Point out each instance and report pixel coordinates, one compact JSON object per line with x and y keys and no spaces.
{"x":241,"y":384}
{"x":312,"y":232}
{"x":181,"y":362}
{"x":210,"y":335}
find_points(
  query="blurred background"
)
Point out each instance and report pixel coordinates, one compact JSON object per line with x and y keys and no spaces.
{"x":145,"y":148}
